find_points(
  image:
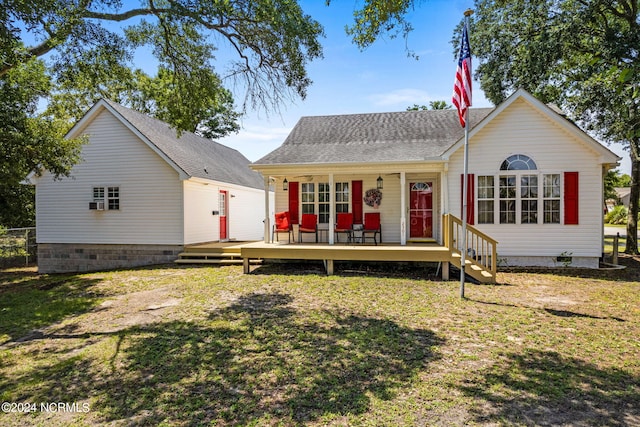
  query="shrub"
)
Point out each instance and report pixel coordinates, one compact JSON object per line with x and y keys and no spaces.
{"x":617,"y":215}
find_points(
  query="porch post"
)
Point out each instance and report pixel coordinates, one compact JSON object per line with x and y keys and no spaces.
{"x":267,"y":209}
{"x":403,"y":209}
{"x":332,"y":211}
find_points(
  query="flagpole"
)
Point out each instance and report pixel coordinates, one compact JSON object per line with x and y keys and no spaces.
{"x":465,"y":184}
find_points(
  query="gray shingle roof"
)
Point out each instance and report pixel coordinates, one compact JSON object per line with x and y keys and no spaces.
{"x":374,"y":137}
{"x":196,"y":156}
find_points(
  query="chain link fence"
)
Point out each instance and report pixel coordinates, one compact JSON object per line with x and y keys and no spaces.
{"x":18,"y":246}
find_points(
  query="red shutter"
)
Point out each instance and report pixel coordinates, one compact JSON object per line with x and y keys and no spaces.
{"x":356,"y":201}
{"x":293,"y":203}
{"x":470,"y":197}
{"x":571,"y":187}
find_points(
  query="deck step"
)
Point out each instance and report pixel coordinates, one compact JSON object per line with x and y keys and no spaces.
{"x":219,"y":261}
{"x":474,"y":270}
{"x":209,"y":255}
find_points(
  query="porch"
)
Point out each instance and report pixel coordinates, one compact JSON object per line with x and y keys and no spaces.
{"x":480,"y":256}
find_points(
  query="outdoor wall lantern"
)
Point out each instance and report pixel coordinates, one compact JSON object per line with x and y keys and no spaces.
{"x":285,"y":185}
{"x":379,"y":183}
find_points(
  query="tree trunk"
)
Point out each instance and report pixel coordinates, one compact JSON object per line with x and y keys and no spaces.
{"x":632,"y":218}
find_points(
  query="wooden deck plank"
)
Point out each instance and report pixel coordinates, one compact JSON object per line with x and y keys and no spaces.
{"x":424,"y":253}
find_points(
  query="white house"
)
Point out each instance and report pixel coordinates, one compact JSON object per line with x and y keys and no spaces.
{"x":141,"y":193}
{"x":536,"y":179}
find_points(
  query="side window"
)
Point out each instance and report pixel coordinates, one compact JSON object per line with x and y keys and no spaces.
{"x":105,"y":198}
{"x":308,"y":196}
{"x":486,"y":194}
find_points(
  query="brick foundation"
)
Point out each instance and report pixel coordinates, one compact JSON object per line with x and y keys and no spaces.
{"x":77,"y":257}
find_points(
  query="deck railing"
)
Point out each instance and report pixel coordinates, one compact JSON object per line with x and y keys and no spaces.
{"x":481,"y":249}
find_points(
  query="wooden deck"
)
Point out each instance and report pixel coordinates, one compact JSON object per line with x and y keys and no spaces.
{"x":250,"y":253}
{"x":343,"y":252}
{"x":480,"y":260}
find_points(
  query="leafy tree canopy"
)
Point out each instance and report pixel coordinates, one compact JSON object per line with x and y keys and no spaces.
{"x":29,"y":142}
{"x":66,"y":54}
{"x":91,"y":46}
{"x":433,"y":105}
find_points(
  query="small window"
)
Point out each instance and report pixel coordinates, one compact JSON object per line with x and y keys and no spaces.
{"x":324,"y":192}
{"x":113,"y":198}
{"x":529,"y":199}
{"x":551,"y":198}
{"x":342,"y":197}
{"x":518,"y":162}
{"x":98,"y":194}
{"x":110,"y":202}
{"x":308,"y":193}
{"x":486,"y":192}
{"x":508,"y":199}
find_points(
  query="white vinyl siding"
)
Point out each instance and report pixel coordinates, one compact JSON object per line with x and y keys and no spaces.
{"x":522,"y":129}
{"x":150,"y":193}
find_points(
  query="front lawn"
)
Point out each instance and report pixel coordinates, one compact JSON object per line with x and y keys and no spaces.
{"x":288,"y":346}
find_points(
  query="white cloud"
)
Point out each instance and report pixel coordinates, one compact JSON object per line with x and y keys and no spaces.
{"x":255,"y":141}
{"x":401,"y":97}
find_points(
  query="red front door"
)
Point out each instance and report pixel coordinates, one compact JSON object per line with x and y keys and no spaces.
{"x":223,"y":215}
{"x":421,"y":210}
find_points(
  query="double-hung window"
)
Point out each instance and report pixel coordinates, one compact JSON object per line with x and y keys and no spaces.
{"x":308,"y":193}
{"x":486,"y":190}
{"x":551,"y":201}
{"x":342,"y":197}
{"x":324,"y":192}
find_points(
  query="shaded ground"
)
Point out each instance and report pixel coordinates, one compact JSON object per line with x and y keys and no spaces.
{"x":377,"y":345}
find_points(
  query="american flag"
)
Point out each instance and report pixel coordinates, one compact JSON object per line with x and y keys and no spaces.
{"x":462,"y":85}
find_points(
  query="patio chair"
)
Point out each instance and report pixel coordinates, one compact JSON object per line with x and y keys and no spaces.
{"x":308,"y":224}
{"x":282,"y":225}
{"x":344,"y":224}
{"x":372,"y":227}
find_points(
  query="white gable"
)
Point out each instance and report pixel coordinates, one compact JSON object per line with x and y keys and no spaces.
{"x":151,"y":197}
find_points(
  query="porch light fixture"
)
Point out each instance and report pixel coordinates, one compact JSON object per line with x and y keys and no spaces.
{"x":285,"y":185}
{"x":379,"y":183}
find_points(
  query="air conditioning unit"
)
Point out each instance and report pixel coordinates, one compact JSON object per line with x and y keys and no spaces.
{"x":96,"y":206}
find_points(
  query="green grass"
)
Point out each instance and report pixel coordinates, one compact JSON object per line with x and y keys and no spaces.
{"x":212,"y":346}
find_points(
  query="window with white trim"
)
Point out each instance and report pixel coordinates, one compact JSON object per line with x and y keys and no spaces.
{"x":342,"y":197}
{"x":320,"y":201}
{"x":110,"y":202}
{"x":308,"y":199}
{"x":324,"y":193}
{"x":551,"y":198}
{"x":518,"y":199}
{"x":508,"y":200}
{"x":486,"y":190}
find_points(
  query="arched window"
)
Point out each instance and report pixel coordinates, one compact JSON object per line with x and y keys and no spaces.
{"x":518,"y":162}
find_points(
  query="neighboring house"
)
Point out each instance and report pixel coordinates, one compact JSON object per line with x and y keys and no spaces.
{"x":141,"y":193}
{"x":624,"y":194}
{"x":536,"y":179}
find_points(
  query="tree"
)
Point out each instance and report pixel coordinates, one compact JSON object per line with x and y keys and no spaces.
{"x":93,"y":43}
{"x":29,"y":142}
{"x":582,"y":55}
{"x":89,"y":49}
{"x":434,"y":105}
